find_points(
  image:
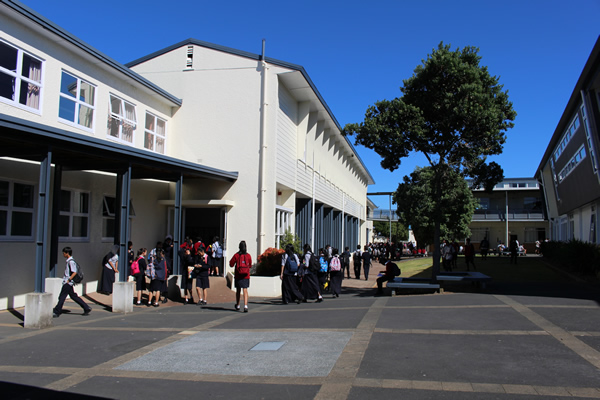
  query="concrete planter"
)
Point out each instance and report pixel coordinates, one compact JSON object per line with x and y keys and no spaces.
{"x":261,"y":286}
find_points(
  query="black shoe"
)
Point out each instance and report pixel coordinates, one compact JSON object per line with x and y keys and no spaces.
{"x":237,"y":307}
{"x":319,"y":300}
{"x":298,"y":301}
{"x":165,"y":300}
{"x":55,"y":315}
{"x":156,"y":305}
{"x":245,"y":309}
{"x":87,"y":312}
{"x":199,"y":303}
{"x":148,"y":304}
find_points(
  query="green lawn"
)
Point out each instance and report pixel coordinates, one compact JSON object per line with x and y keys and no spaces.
{"x":529,"y":269}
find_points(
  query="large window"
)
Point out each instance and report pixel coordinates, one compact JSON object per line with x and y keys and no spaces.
{"x":573,"y":162}
{"x":566,"y":138}
{"x":74,"y":217}
{"x":121,"y":119}
{"x":16,"y":210}
{"x":109,"y":208}
{"x":77,"y":101}
{"x":155,"y":133}
{"x":20,"y":77}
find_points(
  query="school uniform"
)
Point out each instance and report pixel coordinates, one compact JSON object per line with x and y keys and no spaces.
{"x":201,"y":271}
{"x":310,"y":283}
{"x":67,"y":290}
{"x":289,"y":282}
{"x":335,"y":277}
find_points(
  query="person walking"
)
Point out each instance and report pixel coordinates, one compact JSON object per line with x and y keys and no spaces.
{"x":470,"y":255}
{"x":366,"y":261}
{"x":345,"y":258}
{"x":241,"y":262}
{"x":357,"y":259}
{"x":335,"y":274}
{"x":290,"y":267}
{"x":67,"y":286}
{"x":310,"y":283}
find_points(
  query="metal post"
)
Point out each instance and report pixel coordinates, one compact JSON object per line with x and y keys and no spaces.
{"x":124,"y":226}
{"x":506,"y":218}
{"x":42,"y":220}
{"x":56,"y":194}
{"x":177,"y":225}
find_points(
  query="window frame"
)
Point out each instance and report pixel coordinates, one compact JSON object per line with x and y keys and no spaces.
{"x":19,"y":78}
{"x":71,"y":214}
{"x":122,"y":118}
{"x":153,"y":133}
{"x":109,"y":215}
{"x":11,"y":209}
{"x":78,"y":102}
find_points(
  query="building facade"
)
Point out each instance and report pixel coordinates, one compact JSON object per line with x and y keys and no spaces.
{"x":513,"y":210}
{"x":569,"y":168}
{"x":219,"y":143}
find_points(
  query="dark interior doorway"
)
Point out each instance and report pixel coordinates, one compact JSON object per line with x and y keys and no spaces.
{"x":202,"y":222}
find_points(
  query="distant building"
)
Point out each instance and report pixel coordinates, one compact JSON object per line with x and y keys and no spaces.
{"x":514,"y":209}
{"x":569,"y":168}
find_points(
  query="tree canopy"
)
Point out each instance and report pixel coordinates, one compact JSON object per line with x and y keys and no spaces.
{"x":399,"y":230}
{"x":452,"y":111}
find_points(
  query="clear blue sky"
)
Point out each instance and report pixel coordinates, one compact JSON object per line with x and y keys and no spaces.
{"x":358,"y":52}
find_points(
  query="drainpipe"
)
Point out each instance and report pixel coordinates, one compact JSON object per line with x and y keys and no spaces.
{"x":263,"y":150}
{"x":506,"y":218}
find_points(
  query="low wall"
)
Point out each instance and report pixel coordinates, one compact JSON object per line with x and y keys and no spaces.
{"x":261,"y":286}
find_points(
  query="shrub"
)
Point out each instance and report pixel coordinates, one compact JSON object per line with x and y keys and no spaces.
{"x":578,"y":257}
{"x":294,"y":240}
{"x":269,"y":262}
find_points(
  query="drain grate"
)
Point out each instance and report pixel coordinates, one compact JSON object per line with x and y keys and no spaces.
{"x":267,"y":346}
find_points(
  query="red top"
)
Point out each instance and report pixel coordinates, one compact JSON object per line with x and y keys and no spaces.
{"x":242,"y":264}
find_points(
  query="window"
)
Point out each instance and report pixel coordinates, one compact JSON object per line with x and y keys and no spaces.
{"x":478,"y":234}
{"x":590,"y":143}
{"x":20,"y":77}
{"x":532,"y":203}
{"x":283,"y":221}
{"x":73,"y":221}
{"x":16,"y":210}
{"x":121,"y":119}
{"x":155,"y":134}
{"x":484,"y":203}
{"x":109,"y":207}
{"x":76,"y":103}
{"x":573,"y":162}
{"x":533,"y":234}
{"x":566,"y":138}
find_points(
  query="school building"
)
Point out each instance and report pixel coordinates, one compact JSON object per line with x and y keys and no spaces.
{"x":193,"y":140}
{"x":568,"y":170}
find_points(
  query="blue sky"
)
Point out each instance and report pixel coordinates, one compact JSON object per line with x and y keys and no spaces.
{"x":358,"y":52}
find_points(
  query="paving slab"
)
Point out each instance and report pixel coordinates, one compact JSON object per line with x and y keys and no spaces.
{"x":308,"y":318}
{"x":572,"y":319}
{"x":500,"y":359}
{"x":158,"y":319}
{"x":557,"y":300}
{"x":498,"y":318}
{"x":361,"y":393}
{"x":36,"y":379}
{"x":298,"y":355}
{"x":78,"y":349}
{"x":132,"y":388}
{"x":442,"y":300}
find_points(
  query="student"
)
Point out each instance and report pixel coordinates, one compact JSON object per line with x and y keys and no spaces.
{"x":336,"y":274}
{"x":67,"y":286}
{"x":357,"y":259}
{"x":187,"y":267}
{"x":160,"y":275}
{"x":389,"y":275}
{"x":140,"y":277}
{"x":110,"y":268}
{"x":470,"y":254}
{"x":216,"y":255}
{"x":201,"y":270}
{"x":310,"y":284}
{"x":345,"y":258}
{"x":290,"y":265}
{"x":366,"y":261}
{"x":241,"y":262}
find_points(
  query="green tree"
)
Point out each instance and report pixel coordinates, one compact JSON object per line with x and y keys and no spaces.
{"x":453,"y":112}
{"x":399,"y":230}
{"x":417,"y":208}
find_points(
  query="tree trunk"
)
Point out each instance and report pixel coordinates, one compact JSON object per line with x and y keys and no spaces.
{"x":435,"y":270}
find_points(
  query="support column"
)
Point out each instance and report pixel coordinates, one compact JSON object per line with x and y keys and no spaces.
{"x":174,"y":290}
{"x":123,"y":291}
{"x":56,"y":194}
{"x":38,"y":305}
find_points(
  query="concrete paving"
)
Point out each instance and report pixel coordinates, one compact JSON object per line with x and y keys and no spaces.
{"x":518,"y":341}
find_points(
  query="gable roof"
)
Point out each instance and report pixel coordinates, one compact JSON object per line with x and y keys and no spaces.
{"x":258,"y":57}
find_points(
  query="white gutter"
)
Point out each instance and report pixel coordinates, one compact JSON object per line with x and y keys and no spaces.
{"x":263,"y":150}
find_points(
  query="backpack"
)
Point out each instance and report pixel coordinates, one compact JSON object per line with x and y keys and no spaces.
{"x":79,"y":277}
{"x":150,"y":271}
{"x":242,"y":267}
{"x":346,"y":258}
{"x":135,"y":267}
{"x":217,"y":250}
{"x":396,"y":269}
{"x":323,"y":264}
{"x":335,"y":264}
{"x":357,"y":257}
{"x":313,"y":264}
{"x":291,"y":266}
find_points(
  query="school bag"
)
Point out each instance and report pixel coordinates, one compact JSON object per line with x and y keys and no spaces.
{"x":135,"y":267}
{"x":243,"y":265}
{"x":335,"y":264}
{"x":150,"y":271}
{"x":79,"y":276}
{"x":313,"y":264}
{"x":396,"y":269}
{"x":357,"y":257}
{"x":291,"y":266}
{"x":322,"y":264}
{"x":346,"y":258}
{"x":217,"y":250}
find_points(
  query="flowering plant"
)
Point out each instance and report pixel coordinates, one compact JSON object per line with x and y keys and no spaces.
{"x":269,"y":262}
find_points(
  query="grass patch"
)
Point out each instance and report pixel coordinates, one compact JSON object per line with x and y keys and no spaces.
{"x":529,"y":269}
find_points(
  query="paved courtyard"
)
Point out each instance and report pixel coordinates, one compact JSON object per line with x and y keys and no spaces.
{"x":508,"y":342}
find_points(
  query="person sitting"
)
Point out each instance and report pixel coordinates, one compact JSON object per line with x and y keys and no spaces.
{"x":388,"y":275}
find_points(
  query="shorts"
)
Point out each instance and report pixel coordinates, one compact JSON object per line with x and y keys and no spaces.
{"x":242,"y":283}
{"x":202,"y":282}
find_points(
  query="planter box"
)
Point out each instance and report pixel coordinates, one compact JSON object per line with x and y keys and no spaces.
{"x":261,"y":286}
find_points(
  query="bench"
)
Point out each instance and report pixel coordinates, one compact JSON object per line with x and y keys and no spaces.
{"x":411,"y":283}
{"x":464,"y":276}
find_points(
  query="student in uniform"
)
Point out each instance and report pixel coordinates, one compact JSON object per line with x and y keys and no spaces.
{"x":201,"y":269}
{"x":67,"y":286}
{"x":290,"y":266}
{"x":140,"y":277}
{"x":310,"y":283}
{"x":241,"y":262}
